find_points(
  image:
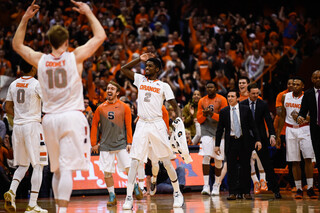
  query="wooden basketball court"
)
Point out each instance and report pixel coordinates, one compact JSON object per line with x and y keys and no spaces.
{"x":194,"y":203}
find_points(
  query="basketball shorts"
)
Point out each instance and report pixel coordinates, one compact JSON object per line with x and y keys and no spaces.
{"x":68,"y":140}
{"x":298,"y":139}
{"x":207,"y":147}
{"x":107,"y":160}
{"x":29,"y":145}
{"x":153,"y":133}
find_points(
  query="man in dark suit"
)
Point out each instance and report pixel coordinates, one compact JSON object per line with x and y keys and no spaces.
{"x":311,"y":104}
{"x":261,"y":114}
{"x":237,"y":123}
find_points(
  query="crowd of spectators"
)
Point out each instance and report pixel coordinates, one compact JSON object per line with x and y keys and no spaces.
{"x":194,"y":46}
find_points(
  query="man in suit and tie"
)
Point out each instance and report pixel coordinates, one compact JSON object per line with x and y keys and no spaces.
{"x":261,"y":115}
{"x":237,"y":123}
{"x":311,"y":104}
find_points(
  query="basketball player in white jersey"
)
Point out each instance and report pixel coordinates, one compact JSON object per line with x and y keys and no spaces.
{"x":64,"y":124}
{"x":151,"y":128}
{"x":297,"y":138}
{"x":24,"y":103}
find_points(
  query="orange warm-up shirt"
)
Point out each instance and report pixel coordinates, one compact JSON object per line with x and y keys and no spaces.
{"x":218,"y":103}
{"x":114,"y":122}
{"x":279,"y":104}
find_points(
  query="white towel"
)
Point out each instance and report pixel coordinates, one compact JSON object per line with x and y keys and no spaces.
{"x":178,"y":140}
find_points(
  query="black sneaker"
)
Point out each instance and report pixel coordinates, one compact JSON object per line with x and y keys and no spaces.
{"x":311,"y":193}
{"x":299,"y":194}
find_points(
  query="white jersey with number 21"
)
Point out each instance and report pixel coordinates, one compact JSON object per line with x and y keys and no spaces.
{"x":61,"y":83}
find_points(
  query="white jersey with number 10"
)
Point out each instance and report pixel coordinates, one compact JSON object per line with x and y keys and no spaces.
{"x":61,"y":83}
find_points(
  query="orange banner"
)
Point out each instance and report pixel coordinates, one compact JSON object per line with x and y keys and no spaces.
{"x":94,"y":179}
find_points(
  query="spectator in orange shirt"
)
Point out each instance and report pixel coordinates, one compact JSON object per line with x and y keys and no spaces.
{"x":203,"y":67}
{"x":141,"y":16}
{"x":222,"y":82}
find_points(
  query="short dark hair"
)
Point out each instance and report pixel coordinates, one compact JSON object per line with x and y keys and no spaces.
{"x":236,"y":91}
{"x":253,"y":86}
{"x":156,"y":62}
{"x":244,"y":77}
{"x":298,"y":78}
{"x":212,"y":82}
{"x":57,"y":35}
{"x":25,"y":66}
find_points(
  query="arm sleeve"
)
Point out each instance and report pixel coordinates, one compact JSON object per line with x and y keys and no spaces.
{"x":94,"y":127}
{"x":128,"y":123}
{"x":200,"y":116}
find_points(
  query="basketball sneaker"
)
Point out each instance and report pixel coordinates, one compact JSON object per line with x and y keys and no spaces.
{"x":9,"y":201}
{"x":137,"y":192}
{"x":153,"y":189}
{"x":256,"y":187}
{"x":35,"y":209}
{"x":205,"y":190}
{"x":178,"y":200}
{"x":128,"y":203}
{"x":264,"y":186}
{"x":299,"y":194}
{"x":112,"y":199}
{"x":215,"y":189}
{"x":311,"y":193}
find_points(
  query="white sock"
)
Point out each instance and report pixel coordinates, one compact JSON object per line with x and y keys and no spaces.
{"x":57,"y":208}
{"x":65,"y":185}
{"x":310,"y":182}
{"x":62,"y":209}
{"x":298,"y":184}
{"x":175,"y":186}
{"x":205,"y":179}
{"x":263,"y":176}
{"x":55,"y":184}
{"x":132,"y":176}
{"x":17,"y":177}
{"x":111,"y":189}
{"x":254,"y":178}
{"x":36,"y":180}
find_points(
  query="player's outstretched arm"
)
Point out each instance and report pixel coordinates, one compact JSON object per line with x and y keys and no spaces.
{"x":126,"y":69}
{"x":27,"y":53}
{"x":88,"y":49}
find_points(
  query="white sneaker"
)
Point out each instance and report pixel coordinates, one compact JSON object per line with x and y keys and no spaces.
{"x":178,"y":200}
{"x":128,"y":203}
{"x":153,"y":189}
{"x":215,"y":189}
{"x":35,"y":209}
{"x":9,"y":201}
{"x":205,"y":190}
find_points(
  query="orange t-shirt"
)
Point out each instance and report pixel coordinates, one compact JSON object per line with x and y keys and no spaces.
{"x":204,"y":70}
{"x":279,"y":104}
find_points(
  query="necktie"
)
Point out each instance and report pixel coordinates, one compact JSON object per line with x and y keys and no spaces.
{"x":252,"y":109}
{"x":237,"y":128}
{"x":318,"y":106}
